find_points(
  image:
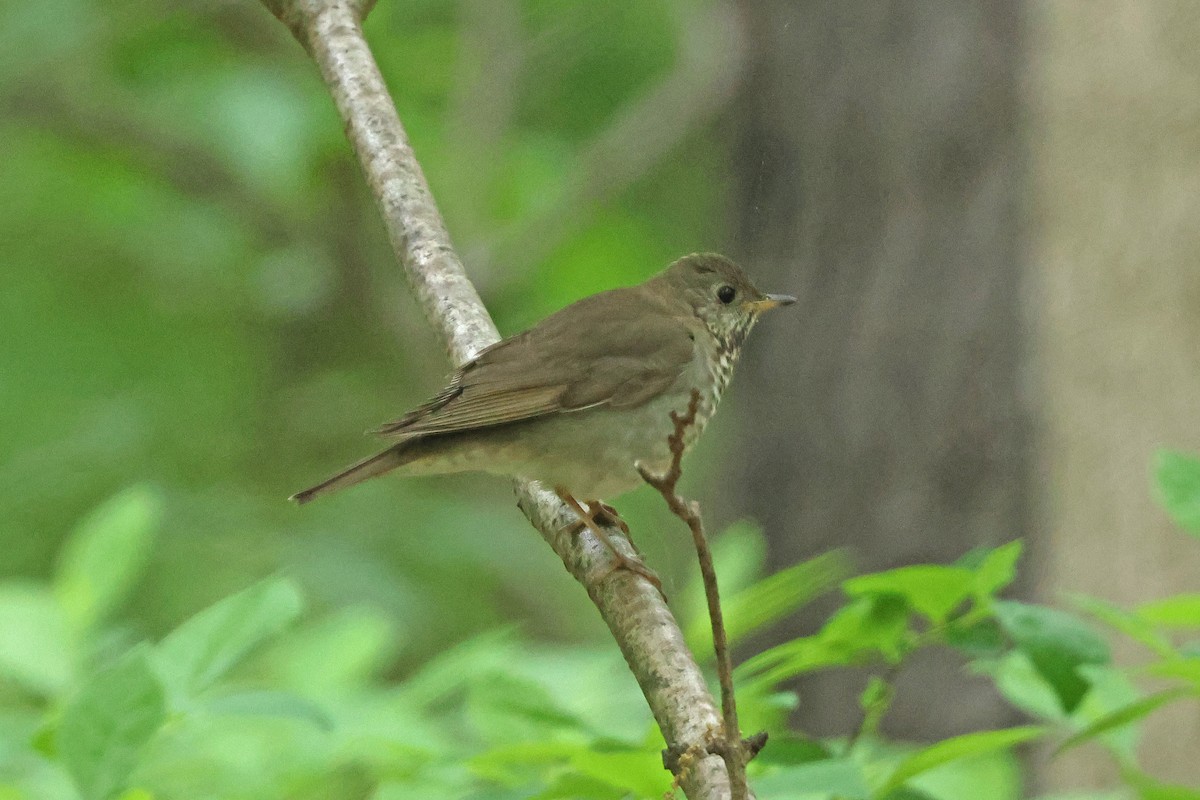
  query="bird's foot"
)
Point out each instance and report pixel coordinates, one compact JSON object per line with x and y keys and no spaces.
{"x":604,"y":514}
{"x":637,"y":567}
{"x":593,"y":518}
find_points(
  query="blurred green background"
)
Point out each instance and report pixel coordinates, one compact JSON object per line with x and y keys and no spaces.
{"x":198,"y":292}
{"x":986,"y":211}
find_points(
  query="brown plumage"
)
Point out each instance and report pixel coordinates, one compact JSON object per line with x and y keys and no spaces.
{"x":585,"y":394}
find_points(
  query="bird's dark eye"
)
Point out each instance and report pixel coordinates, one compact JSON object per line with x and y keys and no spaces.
{"x":726,"y":294}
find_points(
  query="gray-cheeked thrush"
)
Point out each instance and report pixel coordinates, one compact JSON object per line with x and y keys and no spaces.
{"x":584,"y":397}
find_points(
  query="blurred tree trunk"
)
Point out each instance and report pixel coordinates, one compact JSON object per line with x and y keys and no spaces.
{"x":881,"y":177}
{"x":1115,"y":136}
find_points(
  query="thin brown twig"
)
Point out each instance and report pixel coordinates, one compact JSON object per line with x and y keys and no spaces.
{"x":869,"y":715}
{"x":730,"y":747}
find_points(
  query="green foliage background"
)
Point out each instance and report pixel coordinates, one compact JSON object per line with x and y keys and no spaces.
{"x":200,"y":314}
{"x":198,"y":292}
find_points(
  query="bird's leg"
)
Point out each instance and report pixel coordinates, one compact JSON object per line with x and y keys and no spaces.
{"x":604,"y":514}
{"x":587,"y":519}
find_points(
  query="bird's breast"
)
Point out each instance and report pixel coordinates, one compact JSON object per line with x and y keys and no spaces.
{"x":717,"y":362}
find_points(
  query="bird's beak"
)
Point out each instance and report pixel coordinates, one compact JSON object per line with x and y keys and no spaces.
{"x":770,"y":301}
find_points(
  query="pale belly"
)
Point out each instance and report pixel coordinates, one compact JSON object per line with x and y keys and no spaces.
{"x":595,"y":453}
{"x":592,"y":453}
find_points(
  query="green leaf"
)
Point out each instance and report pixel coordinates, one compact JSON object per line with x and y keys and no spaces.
{"x":770,"y":599}
{"x":509,"y":764}
{"x":871,"y":624}
{"x":1022,"y":685}
{"x":630,"y":770}
{"x":105,"y":728}
{"x":1177,"y":479}
{"x":907,"y":793}
{"x":364,"y":639}
{"x":136,"y":793}
{"x":788,"y":749}
{"x":1149,"y":788}
{"x":573,"y":786}
{"x":762,"y":708}
{"x":965,"y":746}
{"x":1122,"y":717}
{"x":1132,"y":625}
{"x":637,"y":771}
{"x":992,"y":776}
{"x":105,"y":555}
{"x":1185,"y":669}
{"x":980,"y":639}
{"x":453,"y":669}
{"x":1177,"y":611}
{"x":1056,"y":643}
{"x":839,"y":777}
{"x":997,"y":569}
{"x":509,"y":708}
{"x":863,"y":629}
{"x":35,"y":649}
{"x":740,"y":553}
{"x":1111,"y":690}
{"x":760,"y":672}
{"x":202,"y":649}
{"x":930,"y":589}
{"x":875,"y":701}
{"x":269,"y":703}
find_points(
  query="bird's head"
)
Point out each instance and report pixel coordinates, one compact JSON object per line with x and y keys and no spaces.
{"x":720,"y":293}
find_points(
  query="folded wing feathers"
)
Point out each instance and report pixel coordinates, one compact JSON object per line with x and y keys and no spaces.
{"x":484,"y":410}
{"x":505,"y":384}
{"x":400,"y":426}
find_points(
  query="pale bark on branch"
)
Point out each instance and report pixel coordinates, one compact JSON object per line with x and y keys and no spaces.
{"x":640,"y":621}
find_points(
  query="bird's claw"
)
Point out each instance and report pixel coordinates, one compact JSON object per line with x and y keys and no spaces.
{"x":604,"y":514}
{"x":597,"y":514}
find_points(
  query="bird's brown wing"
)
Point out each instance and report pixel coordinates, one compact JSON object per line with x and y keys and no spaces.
{"x":470,"y":409}
{"x":632,"y":352}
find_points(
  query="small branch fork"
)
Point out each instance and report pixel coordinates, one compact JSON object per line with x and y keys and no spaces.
{"x":730,"y":746}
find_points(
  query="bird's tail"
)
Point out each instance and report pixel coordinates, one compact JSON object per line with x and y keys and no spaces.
{"x":358,"y":472}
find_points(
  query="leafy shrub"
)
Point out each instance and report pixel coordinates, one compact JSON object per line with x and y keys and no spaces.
{"x":253,"y":698}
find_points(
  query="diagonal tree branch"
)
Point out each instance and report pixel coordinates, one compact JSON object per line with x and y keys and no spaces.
{"x":640,"y":621}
